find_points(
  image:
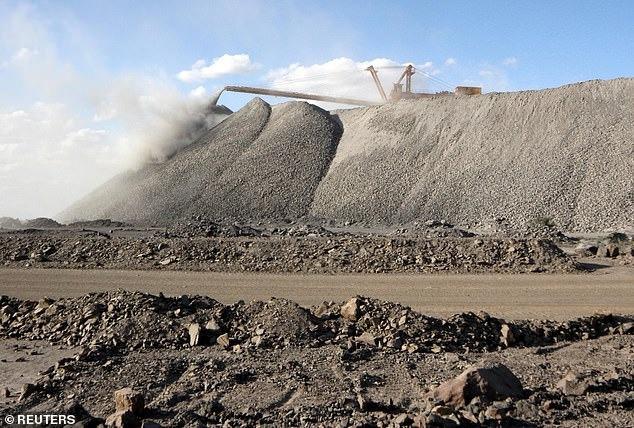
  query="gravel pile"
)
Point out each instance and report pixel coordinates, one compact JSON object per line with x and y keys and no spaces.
{"x":260,"y":162}
{"x":123,"y":320}
{"x":564,"y":154}
{"x":160,"y":193}
{"x":210,"y":246}
{"x":36,"y":223}
{"x":277,"y":175}
{"x":560,"y":154}
{"x":10,"y":223}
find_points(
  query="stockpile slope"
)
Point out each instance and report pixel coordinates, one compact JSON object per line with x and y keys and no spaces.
{"x":161,"y":192}
{"x":276,"y":176}
{"x":257,"y":162}
{"x":564,"y":153}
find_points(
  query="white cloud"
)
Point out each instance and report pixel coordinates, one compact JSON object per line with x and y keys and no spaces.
{"x":345,"y":77}
{"x":450,"y":62}
{"x":24,"y":54}
{"x":510,"y":61}
{"x":21,"y":56}
{"x":491,"y":78}
{"x":47,"y":160}
{"x":84,"y":136}
{"x":427,"y":68}
{"x":221,"y":66}
{"x":34,"y":58}
{"x":198,"y":92}
{"x":67,"y":132}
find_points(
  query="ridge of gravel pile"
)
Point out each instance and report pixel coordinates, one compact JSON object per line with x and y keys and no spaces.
{"x":123,"y":320}
{"x":260,"y":162}
{"x":296,"y":249}
{"x":276,"y":176}
{"x":564,"y":154}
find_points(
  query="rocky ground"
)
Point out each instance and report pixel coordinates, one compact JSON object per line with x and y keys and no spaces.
{"x":192,"y":361}
{"x":202,"y":244}
{"x":130,"y":359}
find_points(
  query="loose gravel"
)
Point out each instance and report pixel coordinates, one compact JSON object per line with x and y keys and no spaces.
{"x":563,"y":154}
{"x":301,"y":250}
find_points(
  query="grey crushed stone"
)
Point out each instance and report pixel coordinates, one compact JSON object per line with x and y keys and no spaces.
{"x":562,"y":154}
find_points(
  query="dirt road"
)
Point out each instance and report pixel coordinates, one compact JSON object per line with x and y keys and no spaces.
{"x":510,"y":296}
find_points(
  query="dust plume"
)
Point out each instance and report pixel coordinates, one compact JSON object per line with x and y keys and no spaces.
{"x":155,"y":119}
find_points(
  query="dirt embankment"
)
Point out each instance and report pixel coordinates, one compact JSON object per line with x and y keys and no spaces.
{"x":324,"y":253}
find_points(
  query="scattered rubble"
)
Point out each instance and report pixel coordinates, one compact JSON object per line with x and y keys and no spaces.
{"x":126,"y":399}
{"x":120,"y":320}
{"x":616,"y":244}
{"x":434,"y":229}
{"x":199,"y":226}
{"x":98,"y":223}
{"x":573,"y":384}
{"x":301,"y":249}
{"x":187,"y":360}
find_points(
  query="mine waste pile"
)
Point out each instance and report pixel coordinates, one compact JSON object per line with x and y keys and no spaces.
{"x":564,"y":154}
{"x":191,"y":361}
{"x":202,"y":244}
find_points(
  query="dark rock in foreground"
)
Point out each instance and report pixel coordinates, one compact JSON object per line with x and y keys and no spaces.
{"x":362,"y":363}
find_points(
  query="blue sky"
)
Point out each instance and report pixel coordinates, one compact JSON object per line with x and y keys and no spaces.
{"x":552,"y":42}
{"x":81,"y":82}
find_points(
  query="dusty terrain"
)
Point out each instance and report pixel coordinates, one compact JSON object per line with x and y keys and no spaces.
{"x":362,"y":362}
{"x":546,"y":296}
{"x":197,"y":355}
{"x":519,"y":204}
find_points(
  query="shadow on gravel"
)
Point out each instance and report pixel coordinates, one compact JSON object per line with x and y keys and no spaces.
{"x":550,"y":349}
{"x":592,"y":267}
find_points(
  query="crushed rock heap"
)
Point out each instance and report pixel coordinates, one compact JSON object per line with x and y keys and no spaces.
{"x":561,"y":154}
{"x":260,"y":162}
{"x":205,"y":245}
{"x":122,"y":320}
